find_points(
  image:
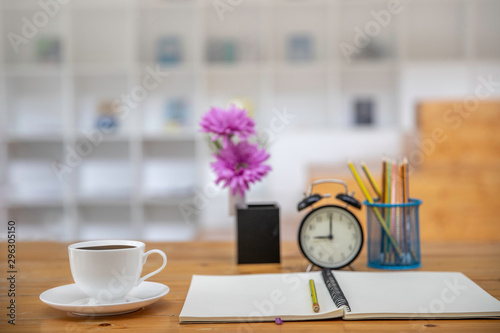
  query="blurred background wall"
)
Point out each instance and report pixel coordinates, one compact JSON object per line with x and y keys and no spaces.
{"x":100,"y":103}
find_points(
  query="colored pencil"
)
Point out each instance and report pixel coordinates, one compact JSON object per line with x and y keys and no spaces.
{"x":375,"y":209}
{"x":371,"y":180}
{"x":314,"y":296}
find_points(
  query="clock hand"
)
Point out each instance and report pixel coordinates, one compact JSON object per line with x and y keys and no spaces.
{"x":322,"y":237}
{"x":330,"y":235}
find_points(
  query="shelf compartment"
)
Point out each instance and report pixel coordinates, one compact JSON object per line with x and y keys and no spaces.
{"x":95,"y":101}
{"x":31,"y":177}
{"x":434,"y":30}
{"x":105,"y":40}
{"x":105,"y":222}
{"x":232,"y":37}
{"x":44,"y":41}
{"x":226,"y":87}
{"x":38,"y":223}
{"x":302,"y":93}
{"x":35,"y":105}
{"x":169,"y":171}
{"x":300,"y":35}
{"x":105,"y":180}
{"x":167,"y":35}
{"x":486,"y":29}
{"x":169,"y":108}
{"x":106,"y":173}
{"x":359,"y":15}
{"x":368,"y":98}
{"x":168,"y":223}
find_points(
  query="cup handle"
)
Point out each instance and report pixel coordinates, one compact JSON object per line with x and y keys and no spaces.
{"x":145,"y":257}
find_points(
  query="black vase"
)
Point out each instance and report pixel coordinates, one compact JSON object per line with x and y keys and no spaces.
{"x":258,"y":228}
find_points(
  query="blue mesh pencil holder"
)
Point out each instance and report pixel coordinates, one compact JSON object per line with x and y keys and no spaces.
{"x":393,"y":235}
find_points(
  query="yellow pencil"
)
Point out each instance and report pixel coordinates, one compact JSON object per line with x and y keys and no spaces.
{"x":370,"y":179}
{"x":314,"y":297}
{"x":375,"y":209}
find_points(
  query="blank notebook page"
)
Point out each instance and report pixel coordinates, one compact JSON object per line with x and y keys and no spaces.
{"x":413,"y":293}
{"x":256,"y":296}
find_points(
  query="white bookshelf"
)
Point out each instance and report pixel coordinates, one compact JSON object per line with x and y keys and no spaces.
{"x":131,"y":184}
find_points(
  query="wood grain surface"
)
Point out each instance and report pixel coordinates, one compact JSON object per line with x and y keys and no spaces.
{"x":41,"y":266}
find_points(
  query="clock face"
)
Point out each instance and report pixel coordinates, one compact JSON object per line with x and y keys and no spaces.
{"x":330,"y":236}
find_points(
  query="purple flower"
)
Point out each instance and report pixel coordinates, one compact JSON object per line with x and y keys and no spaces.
{"x":239,"y":165}
{"x":226,"y":123}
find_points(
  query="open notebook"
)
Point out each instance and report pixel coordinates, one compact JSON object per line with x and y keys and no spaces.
{"x":366,"y":295}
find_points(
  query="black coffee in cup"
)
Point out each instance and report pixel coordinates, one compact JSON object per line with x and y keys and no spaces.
{"x":107,"y":247}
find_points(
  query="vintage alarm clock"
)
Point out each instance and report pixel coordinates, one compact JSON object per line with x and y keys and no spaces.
{"x":330,"y":236}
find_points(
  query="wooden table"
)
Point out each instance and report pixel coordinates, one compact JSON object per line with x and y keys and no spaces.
{"x":41,"y":266}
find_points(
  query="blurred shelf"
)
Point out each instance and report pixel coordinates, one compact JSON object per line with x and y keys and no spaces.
{"x":181,"y":135}
{"x":173,"y":231}
{"x":245,"y":4}
{"x":348,"y":131}
{"x":100,"y":69}
{"x":236,"y":68}
{"x":280,"y":4}
{"x":93,"y":230}
{"x":487,"y":62}
{"x":173,"y":199}
{"x":301,"y":67}
{"x":35,"y":138}
{"x":96,"y":4}
{"x":369,"y":65}
{"x":360,"y":3}
{"x":182,"y":68}
{"x":112,"y":137}
{"x":33,"y":70}
{"x":167,"y":201}
{"x":35,"y":202}
{"x":168,"y":4}
{"x":104,"y":200}
{"x":430,"y":63}
{"x":19,"y":5}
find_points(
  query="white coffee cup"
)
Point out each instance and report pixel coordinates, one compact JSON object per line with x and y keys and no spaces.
{"x":106,"y":270}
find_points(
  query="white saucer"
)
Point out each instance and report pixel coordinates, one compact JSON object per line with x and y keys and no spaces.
{"x":71,"y":298}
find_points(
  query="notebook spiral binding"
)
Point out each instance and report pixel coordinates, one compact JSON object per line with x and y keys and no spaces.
{"x":335,"y":290}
